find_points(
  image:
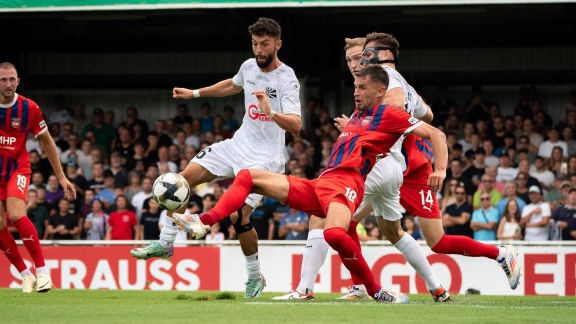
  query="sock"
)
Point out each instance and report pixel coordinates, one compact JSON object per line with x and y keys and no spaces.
{"x":501,"y":253}
{"x":25,"y":273}
{"x":463,"y":245}
{"x":31,"y":241}
{"x":232,"y":200}
{"x":354,"y":236}
{"x":42,"y":270}
{"x":412,"y":252}
{"x":168,"y":233}
{"x":253,"y":266}
{"x":314,"y":256}
{"x":351,"y":256}
{"x":10,"y":250}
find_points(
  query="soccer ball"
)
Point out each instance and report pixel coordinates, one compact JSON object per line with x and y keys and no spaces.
{"x":171,"y":191}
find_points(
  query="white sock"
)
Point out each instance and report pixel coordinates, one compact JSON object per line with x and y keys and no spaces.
{"x":168,"y":233}
{"x":359,"y":287}
{"x":314,"y":256}
{"x":25,"y":273}
{"x":42,"y":270}
{"x":253,"y":266}
{"x":501,"y":253}
{"x":414,"y":255}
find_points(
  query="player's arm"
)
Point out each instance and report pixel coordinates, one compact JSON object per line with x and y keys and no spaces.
{"x":440,"y":150}
{"x":289,"y":122}
{"x":221,"y":89}
{"x":108,"y":235}
{"x":75,"y":230}
{"x":52,"y":154}
{"x":429,"y":115}
{"x":394,"y":97}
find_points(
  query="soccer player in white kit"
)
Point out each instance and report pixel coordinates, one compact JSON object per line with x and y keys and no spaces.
{"x":272,"y":101}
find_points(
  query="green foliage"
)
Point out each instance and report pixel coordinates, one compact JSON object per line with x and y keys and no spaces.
{"x":112,"y":306}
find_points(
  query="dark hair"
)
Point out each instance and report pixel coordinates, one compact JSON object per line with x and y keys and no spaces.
{"x":265,"y":27}
{"x":383,"y":39}
{"x":376,"y":73}
{"x":516,"y":215}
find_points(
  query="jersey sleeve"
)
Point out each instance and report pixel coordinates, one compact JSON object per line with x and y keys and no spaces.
{"x":394,"y":79}
{"x":37,"y":124}
{"x":420,"y":109}
{"x":290,"y":98}
{"x":398,"y":121}
{"x":238,"y":79}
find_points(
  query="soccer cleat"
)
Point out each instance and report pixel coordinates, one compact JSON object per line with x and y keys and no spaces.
{"x":440,"y":294}
{"x":28,"y":283}
{"x":387,"y":296}
{"x":254,"y":287}
{"x":43,"y":283}
{"x":153,"y":250}
{"x":294,"y":295}
{"x":191,"y":224}
{"x":355,"y":293}
{"x":510,"y":266}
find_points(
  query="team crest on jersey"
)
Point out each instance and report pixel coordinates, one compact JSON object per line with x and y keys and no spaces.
{"x":271,"y":93}
{"x":15,"y":122}
{"x":366,"y":120}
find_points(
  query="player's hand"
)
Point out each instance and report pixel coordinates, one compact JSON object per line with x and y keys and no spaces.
{"x":263,"y":103}
{"x":340,"y":122}
{"x":435,"y":180}
{"x":69,"y":190}
{"x":182,"y":93}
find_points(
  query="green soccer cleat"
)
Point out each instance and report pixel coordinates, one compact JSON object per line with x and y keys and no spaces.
{"x":254,"y":287}
{"x":153,"y":250}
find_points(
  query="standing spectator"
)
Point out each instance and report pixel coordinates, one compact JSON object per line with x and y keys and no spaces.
{"x":63,"y":225}
{"x":564,"y":219}
{"x":505,"y":171}
{"x":568,"y":138}
{"x":456,"y":218}
{"x":535,"y":217}
{"x":60,"y":114}
{"x":80,"y":183}
{"x":118,"y":170}
{"x":107,"y":195}
{"x":558,"y":164}
{"x":96,"y":222}
{"x":545,"y":149}
{"x":134,"y":186}
{"x":164,"y":158}
{"x":294,"y":225}
{"x":477,"y":108}
{"x":85,"y":158}
{"x":125,"y":144}
{"x":37,"y":213}
{"x":488,"y":188}
{"x":72,"y":140}
{"x":509,"y":227}
{"x":122,"y":224}
{"x":535,"y":138}
{"x":490,"y":159}
{"x":558,"y":194}
{"x":36,"y":180}
{"x":280,"y":211}
{"x":455,"y":172}
{"x":37,"y":163}
{"x":526,"y":167}
{"x":411,"y":228}
{"x":448,"y":195}
{"x":105,"y":134}
{"x":164,"y":138}
{"x":206,"y":119}
{"x":443,"y":106}
{"x":53,"y":191}
{"x":230,"y":123}
{"x":96,"y":181}
{"x":510,"y":195}
{"x":485,"y":220}
{"x":522,"y":144}
{"x":140,"y":197}
{"x":79,"y":119}
{"x":545,"y":177}
{"x":132,"y":120}
{"x":215,"y":234}
{"x":262,"y":218}
{"x":109,"y":118}
{"x":182,"y":116}
{"x":149,"y":229}
{"x":84,"y":210}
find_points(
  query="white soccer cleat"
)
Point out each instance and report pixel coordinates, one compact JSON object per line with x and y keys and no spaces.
{"x":191,"y":224}
{"x":355,"y":293}
{"x":28,"y":283}
{"x":387,"y":296}
{"x":510,"y":266}
{"x":294,"y":295}
{"x":43,"y":283}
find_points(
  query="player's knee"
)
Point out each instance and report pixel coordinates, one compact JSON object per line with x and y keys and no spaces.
{"x":437,"y":246}
{"x":335,"y":236}
{"x":242,"y":228}
{"x":316,"y":223}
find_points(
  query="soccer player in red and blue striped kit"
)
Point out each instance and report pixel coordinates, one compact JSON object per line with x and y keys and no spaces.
{"x":18,"y":117}
{"x":372,"y":130}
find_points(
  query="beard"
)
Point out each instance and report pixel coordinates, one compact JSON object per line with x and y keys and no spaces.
{"x":267,"y":61}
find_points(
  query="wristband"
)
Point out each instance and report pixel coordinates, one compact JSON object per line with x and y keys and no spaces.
{"x":271,"y":114}
{"x":196,"y":93}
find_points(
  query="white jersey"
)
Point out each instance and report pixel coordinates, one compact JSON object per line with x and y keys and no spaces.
{"x":412,"y":105}
{"x":260,"y":138}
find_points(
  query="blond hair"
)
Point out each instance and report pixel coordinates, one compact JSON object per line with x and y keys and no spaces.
{"x":351,"y":42}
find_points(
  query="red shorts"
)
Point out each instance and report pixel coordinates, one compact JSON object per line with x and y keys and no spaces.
{"x":16,"y":186}
{"x":417,"y":197}
{"x":314,"y":196}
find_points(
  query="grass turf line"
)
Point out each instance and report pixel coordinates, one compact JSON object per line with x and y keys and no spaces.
{"x":115,"y":306}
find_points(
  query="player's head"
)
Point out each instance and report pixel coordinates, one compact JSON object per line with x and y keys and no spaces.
{"x":370,"y":85}
{"x":353,"y":48}
{"x":265,"y":41}
{"x":9,"y":81}
{"x":380,"y":48}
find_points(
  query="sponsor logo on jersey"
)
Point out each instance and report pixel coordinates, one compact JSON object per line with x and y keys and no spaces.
{"x":42,"y":124}
{"x":255,"y":114}
{"x":7,"y":140}
{"x":15,"y":123}
{"x":271,"y":93}
{"x":366,"y":120}
{"x":251,"y":82}
{"x":262,"y":78}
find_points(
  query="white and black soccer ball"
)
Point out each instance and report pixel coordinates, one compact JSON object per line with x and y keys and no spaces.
{"x":171,"y":191}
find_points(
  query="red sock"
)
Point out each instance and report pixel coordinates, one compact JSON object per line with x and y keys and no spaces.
{"x":232,"y":200}
{"x":354,"y":236}
{"x":10,"y":249}
{"x":351,"y":256}
{"x":463,"y":245}
{"x":31,"y":241}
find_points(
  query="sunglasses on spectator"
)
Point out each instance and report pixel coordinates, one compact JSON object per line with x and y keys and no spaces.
{"x":483,"y":199}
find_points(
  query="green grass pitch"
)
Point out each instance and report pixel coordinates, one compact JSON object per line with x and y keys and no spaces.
{"x":108,"y":306}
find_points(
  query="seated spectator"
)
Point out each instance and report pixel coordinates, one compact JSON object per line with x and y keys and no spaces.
{"x":558,"y":164}
{"x":106,"y":195}
{"x":478,"y":167}
{"x":53,"y":191}
{"x":122,"y":223}
{"x":558,"y":195}
{"x":485,"y":220}
{"x":535,"y":217}
{"x":509,"y":227}
{"x":545,"y":149}
{"x":488,"y":188}
{"x":456,"y":218}
{"x":64,"y":224}
{"x":510,"y":195}
{"x":215,"y":235}
{"x":294,"y":225}
{"x":563,"y":222}
{"x":148,"y":228}
{"x":37,"y":213}
{"x":412,"y":228}
{"x":96,"y":222}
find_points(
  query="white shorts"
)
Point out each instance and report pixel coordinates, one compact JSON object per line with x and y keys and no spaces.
{"x":382,"y":189}
{"x":223,"y":161}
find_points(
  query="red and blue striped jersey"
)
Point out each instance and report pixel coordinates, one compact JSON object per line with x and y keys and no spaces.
{"x":368,"y":134}
{"x":17,"y":119}
{"x":417,"y":153}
